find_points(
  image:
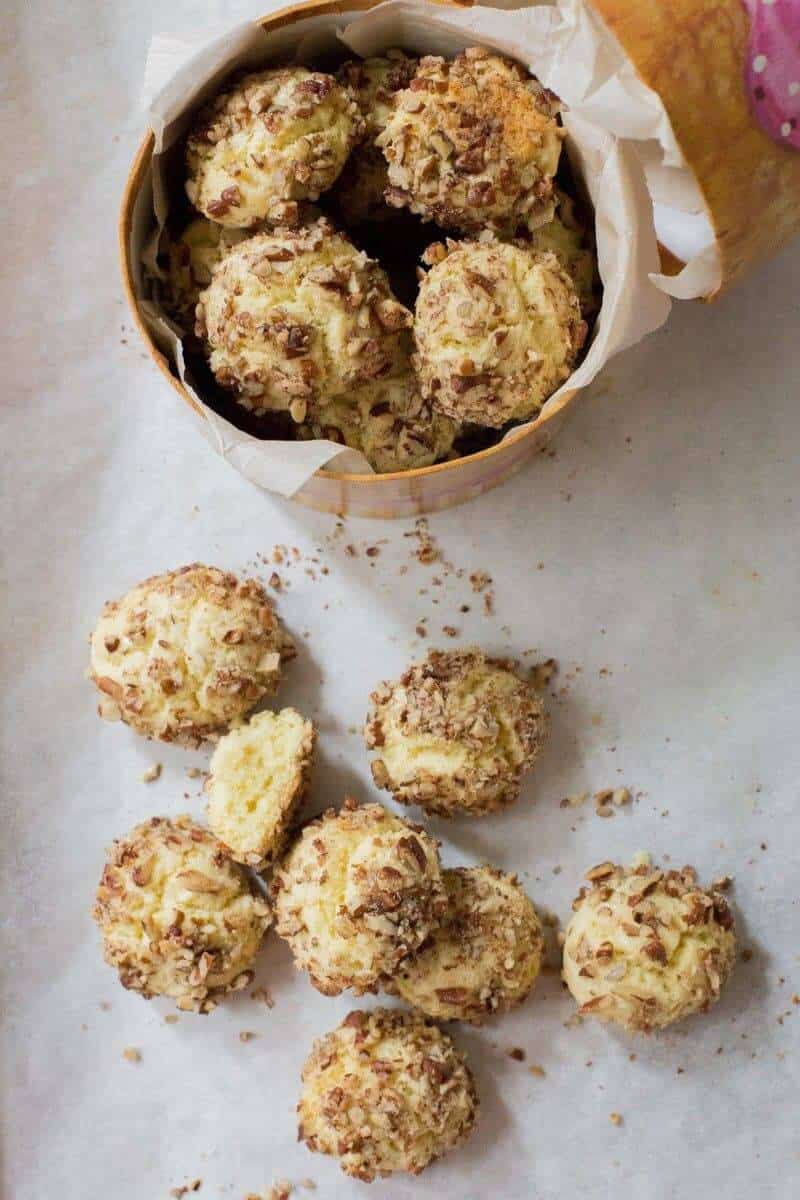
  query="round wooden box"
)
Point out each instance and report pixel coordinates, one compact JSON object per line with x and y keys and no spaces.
{"x":692,"y":52}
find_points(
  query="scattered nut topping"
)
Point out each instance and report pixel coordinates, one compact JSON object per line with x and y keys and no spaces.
{"x":152,"y":773}
{"x":600,"y":871}
{"x":179,"y":1192}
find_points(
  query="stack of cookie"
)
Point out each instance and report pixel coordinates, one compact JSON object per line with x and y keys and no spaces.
{"x":294,"y":317}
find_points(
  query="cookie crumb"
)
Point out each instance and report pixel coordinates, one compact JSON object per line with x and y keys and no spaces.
{"x":264,"y":995}
{"x":616,"y":1118}
{"x":179,"y":1192}
{"x":131,"y":1054}
{"x":480,"y":580}
{"x":538,"y":1071}
{"x":247,"y":1035}
{"x":543,"y":672}
{"x":152,"y":773}
{"x":171,"y":1019}
{"x":517,"y":1053}
{"x":574,"y":801}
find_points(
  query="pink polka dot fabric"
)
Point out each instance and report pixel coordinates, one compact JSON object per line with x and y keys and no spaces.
{"x":773,"y":68}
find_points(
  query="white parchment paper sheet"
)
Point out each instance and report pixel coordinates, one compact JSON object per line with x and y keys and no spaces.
{"x":568,"y":50}
{"x":666,"y":526}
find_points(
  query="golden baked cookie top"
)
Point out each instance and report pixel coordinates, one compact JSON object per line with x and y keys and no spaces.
{"x":646,"y":947}
{"x":185,"y":654}
{"x":484,"y":957}
{"x":385,"y":1092}
{"x":473,"y":144}
{"x":271,"y":139}
{"x":296,"y":318}
{"x":178,"y":917}
{"x":357,"y":892}
{"x":498,"y":328}
{"x":455,"y":733}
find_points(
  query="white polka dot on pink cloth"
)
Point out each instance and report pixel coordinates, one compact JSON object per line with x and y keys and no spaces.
{"x":772,"y":68}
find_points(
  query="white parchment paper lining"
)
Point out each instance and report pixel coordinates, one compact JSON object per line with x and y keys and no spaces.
{"x":619,"y":138}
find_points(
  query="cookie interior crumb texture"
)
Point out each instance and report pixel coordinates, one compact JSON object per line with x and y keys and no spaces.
{"x":498,"y":328}
{"x":184,"y":655}
{"x":646,"y":947}
{"x":272,"y":139}
{"x":386,"y":1092}
{"x":357,"y":892}
{"x":177,"y":915}
{"x":484,"y":957}
{"x":258,"y":776}
{"x":455,"y":733}
{"x":473,"y":144}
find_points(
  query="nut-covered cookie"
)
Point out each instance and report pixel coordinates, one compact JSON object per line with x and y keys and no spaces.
{"x":191,"y":258}
{"x":184,"y":655}
{"x":484,"y":957}
{"x":455,"y":733}
{"x":573,"y":244}
{"x":390,"y":422}
{"x":385,"y":1092}
{"x":178,"y":917}
{"x":259,"y":773}
{"x":473,"y":144}
{"x":498,"y":328}
{"x":356,"y":893}
{"x":296,"y":318}
{"x":373,"y":83}
{"x":646,"y":947}
{"x":270,"y":140}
